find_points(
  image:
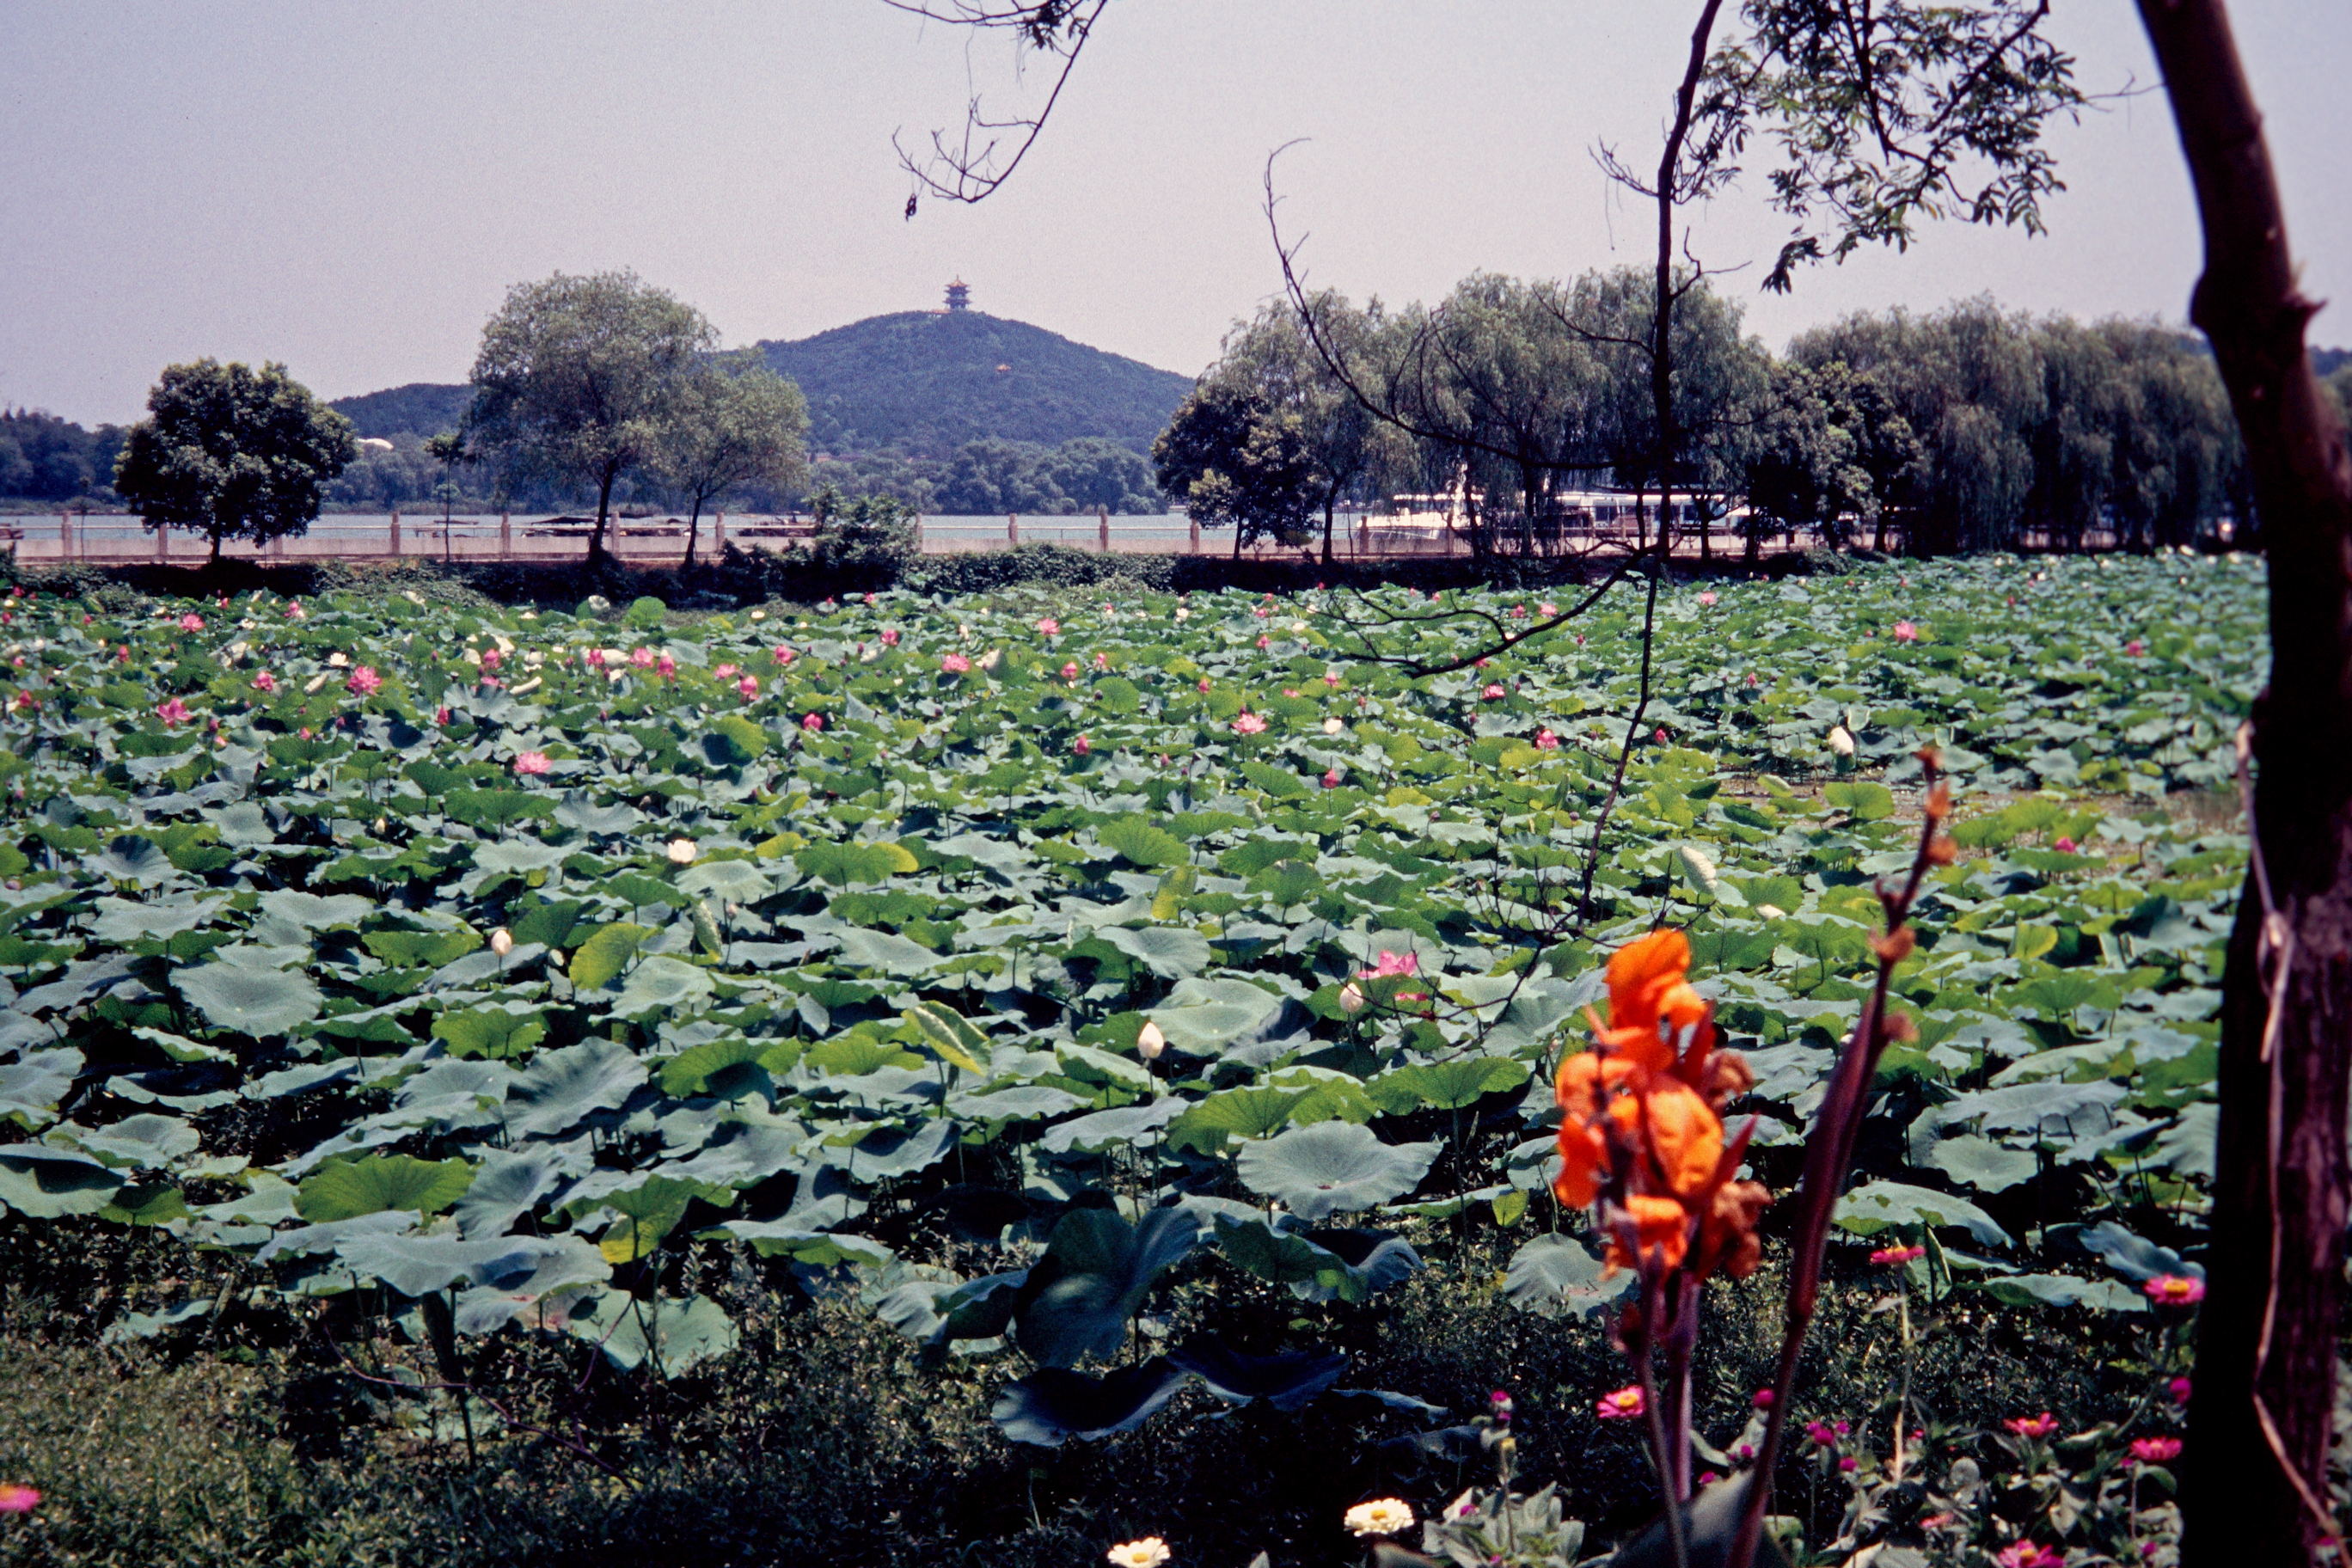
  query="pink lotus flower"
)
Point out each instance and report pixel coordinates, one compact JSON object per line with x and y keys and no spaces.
{"x":492,"y":658}
{"x":1906,"y":632}
{"x":1249,"y":724}
{"x":1050,"y":626}
{"x":1707,"y":598}
{"x":667,"y":665}
{"x":1661,"y":736}
{"x":1393,"y":964}
{"x":294,"y":610}
{"x":642,"y":657}
{"x":1102,"y":661}
{"x":749,"y":686}
{"x":364,"y":680}
{"x":2156,"y":1450}
{"x":1547,"y":611}
{"x":726,"y":672}
{"x":173,"y":711}
{"x":122,"y":654}
{"x":1264,"y":640}
{"x":25,"y":702}
{"x":1493,"y":693}
{"x":891,"y":636}
{"x":1332,"y":679}
{"x":2065,"y":846}
{"x":1546,"y":741}
{"x":441,"y":717}
{"x":15,"y":1499}
{"x":2175,"y":1290}
{"x":1082,"y":745}
{"x":1626,"y":1402}
{"x":1482,"y":664}
{"x":192,"y":622}
{"x":2135,"y":648}
{"x":1518,"y":612}
{"x":1070,"y":670}
{"x":1332,"y":778}
{"x":1260,"y":612}
{"x":264,"y":681}
{"x":1204,"y":683}
{"x":528,"y":762}
{"x":955,"y":664}
{"x":1888,"y":1257}
{"x":785,"y":656}
{"x":813,"y":722}
{"x":2041,"y":1425}
{"x":593,"y":658}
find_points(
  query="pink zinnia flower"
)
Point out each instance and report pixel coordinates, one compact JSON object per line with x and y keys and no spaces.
{"x":1707,"y":598}
{"x":1906,"y":632}
{"x":2179,"y":1388}
{"x":527,"y":762}
{"x":891,"y":636}
{"x":1494,"y":693}
{"x":1819,"y":1431}
{"x":2156,"y":1450}
{"x":192,"y":622}
{"x":2175,"y":1290}
{"x":725,"y":672}
{"x":785,"y":656}
{"x":1627,"y":1401}
{"x":1050,"y":626}
{"x":264,"y":681}
{"x":364,"y":680}
{"x":813,"y":723}
{"x":1546,"y":741}
{"x":1249,"y":724}
{"x":749,"y":686}
{"x":173,"y":711}
{"x":14,"y":1499}
{"x":1332,"y":778}
{"x":1082,"y":745}
{"x":2026,"y":1554}
{"x":955,"y":664}
{"x":1889,"y":1257}
{"x":2040,"y":1425}
{"x":1762,"y":1399}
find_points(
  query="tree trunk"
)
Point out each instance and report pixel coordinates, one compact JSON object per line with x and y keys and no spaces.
{"x":2255,"y":1480}
{"x":693,"y":528}
{"x":1331,"y":500}
{"x":604,"y":507}
{"x":215,"y":560}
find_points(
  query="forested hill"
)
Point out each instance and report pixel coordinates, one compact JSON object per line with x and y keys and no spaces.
{"x":421,"y":408}
{"x":928,"y":381}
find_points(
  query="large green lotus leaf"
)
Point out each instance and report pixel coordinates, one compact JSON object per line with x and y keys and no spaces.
{"x":517,"y":857}
{"x":509,"y":1183}
{"x":649,"y":1211}
{"x":1859,"y":799}
{"x":40,"y":1182}
{"x":1139,"y":843}
{"x":674,"y":1335}
{"x":2135,"y":1258}
{"x":950,"y":1036}
{"x":1015,"y":1103}
{"x":2065,"y":1291}
{"x":1096,"y":1272}
{"x":31,"y":1086}
{"x":1558,"y":1276}
{"x":1202,"y":1016}
{"x":1321,"y":1266}
{"x":1050,"y":1406}
{"x":256,"y":1002}
{"x":582,"y":815}
{"x":495,"y":808}
{"x":1981,"y":1164}
{"x":123,"y":921}
{"x":803,"y":1244}
{"x":414,"y":1265}
{"x":1172,"y":953}
{"x":604,"y":954}
{"x":380,"y":1184}
{"x":670,"y":984}
{"x":707,"y":1068}
{"x":1286,"y":1380}
{"x":137,"y":1143}
{"x":1446,"y":1085}
{"x":1332,"y":1166}
{"x":883,"y":951}
{"x":735,"y":881}
{"x":1245,"y":1114}
{"x":847,"y":865}
{"x":1874,"y":1207}
{"x":561,"y":1089}
{"x":734,"y":741}
{"x":135,"y":860}
{"x":885,"y":1154}
{"x":314,"y":911}
{"x":421,"y":949}
{"x":499,"y":1030}
{"x":1128,"y":1124}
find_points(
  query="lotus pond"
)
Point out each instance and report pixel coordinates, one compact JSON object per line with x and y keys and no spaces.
{"x":1000,"y":965}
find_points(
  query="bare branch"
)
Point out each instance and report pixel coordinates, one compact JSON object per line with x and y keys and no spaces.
{"x":969,"y":171}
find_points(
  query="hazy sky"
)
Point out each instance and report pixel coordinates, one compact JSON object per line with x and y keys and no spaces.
{"x":351,"y":187}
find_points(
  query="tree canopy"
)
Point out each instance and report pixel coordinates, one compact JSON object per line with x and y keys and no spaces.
{"x":732,"y":422}
{"x":231,"y":452}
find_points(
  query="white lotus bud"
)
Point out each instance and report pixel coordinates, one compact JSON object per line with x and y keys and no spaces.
{"x":990,"y":659}
{"x":1351,"y":998}
{"x":338,"y":660}
{"x":759,"y":615}
{"x":502,"y":942}
{"x":1771,"y":911}
{"x":1333,"y":726}
{"x":682,"y":851}
{"x":1149,"y":1042}
{"x":1841,"y":740}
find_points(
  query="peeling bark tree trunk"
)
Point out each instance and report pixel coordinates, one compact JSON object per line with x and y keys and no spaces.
{"x":2255,"y":1479}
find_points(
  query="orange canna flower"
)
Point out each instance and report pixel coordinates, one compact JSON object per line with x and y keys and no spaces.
{"x":1660,"y":1225}
{"x":1685,"y":1137}
{"x":1653,"y":1011}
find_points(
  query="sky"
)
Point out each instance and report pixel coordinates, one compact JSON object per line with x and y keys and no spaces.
{"x":351,"y":188}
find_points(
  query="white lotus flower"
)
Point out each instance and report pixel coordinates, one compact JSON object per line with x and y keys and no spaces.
{"x":1841,"y":740}
{"x":338,"y":660}
{"x":502,"y":942}
{"x":759,"y":615}
{"x":682,"y":851}
{"x":1149,"y":1042}
{"x":1334,"y":726}
{"x":990,"y":659}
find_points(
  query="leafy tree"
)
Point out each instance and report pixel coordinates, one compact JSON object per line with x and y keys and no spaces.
{"x":231,"y":452}
{"x":449,"y":449}
{"x":1271,"y":358}
{"x":581,"y":378}
{"x":872,"y":530}
{"x":732,"y":422}
{"x":1237,"y":460}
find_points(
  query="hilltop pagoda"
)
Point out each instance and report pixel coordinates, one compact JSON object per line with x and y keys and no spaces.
{"x":958,"y":296}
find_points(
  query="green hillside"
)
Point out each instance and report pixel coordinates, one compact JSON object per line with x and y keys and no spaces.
{"x":420,"y":408}
{"x":929,"y":381}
